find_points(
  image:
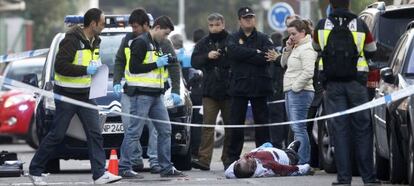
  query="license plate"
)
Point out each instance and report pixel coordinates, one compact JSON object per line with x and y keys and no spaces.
{"x":112,"y":128}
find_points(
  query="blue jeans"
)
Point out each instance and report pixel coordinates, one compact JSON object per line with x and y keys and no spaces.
{"x":297,"y":106}
{"x":63,"y":116}
{"x":147,"y":107}
{"x":351,"y":132}
{"x":152,"y":140}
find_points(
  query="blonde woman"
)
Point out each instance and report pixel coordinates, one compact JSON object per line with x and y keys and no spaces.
{"x":299,"y":57}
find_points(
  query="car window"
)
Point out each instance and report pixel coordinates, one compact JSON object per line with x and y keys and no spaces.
{"x":398,"y":57}
{"x":392,"y":25}
{"x":108,"y":49}
{"x":410,"y":60}
{"x":16,"y":70}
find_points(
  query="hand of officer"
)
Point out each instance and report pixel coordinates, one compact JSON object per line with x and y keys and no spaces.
{"x":176,"y":98}
{"x":91,"y":69}
{"x":162,"y":61}
{"x":117,"y":89}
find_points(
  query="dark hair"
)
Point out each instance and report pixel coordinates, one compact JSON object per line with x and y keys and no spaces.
{"x":93,"y":14}
{"x":198,"y":34}
{"x":139,"y":16}
{"x":300,"y":25}
{"x":164,"y":22}
{"x":240,"y":173}
{"x":339,"y":3}
{"x":276,"y":38}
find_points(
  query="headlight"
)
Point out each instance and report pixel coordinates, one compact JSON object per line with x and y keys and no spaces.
{"x":17,"y":99}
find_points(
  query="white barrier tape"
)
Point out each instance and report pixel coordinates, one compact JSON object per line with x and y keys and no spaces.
{"x":22,"y":55}
{"x":374,"y":103}
{"x":271,"y":102}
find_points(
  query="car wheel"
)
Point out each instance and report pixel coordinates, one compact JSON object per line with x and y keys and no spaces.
{"x":182,"y":162}
{"x":410,"y":165}
{"x":326,"y":153}
{"x":395,"y":159}
{"x":31,"y":139}
{"x":53,"y":166}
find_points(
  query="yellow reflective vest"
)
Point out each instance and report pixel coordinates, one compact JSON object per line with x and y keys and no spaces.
{"x":153,"y":79}
{"x":82,"y":57}
{"x":359,"y":39}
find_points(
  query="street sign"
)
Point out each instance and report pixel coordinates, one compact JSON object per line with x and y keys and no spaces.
{"x":277,"y":14}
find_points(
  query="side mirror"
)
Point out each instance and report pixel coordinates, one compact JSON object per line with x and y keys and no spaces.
{"x":387,"y":76}
{"x":31,"y":79}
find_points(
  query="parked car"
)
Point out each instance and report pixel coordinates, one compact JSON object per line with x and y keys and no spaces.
{"x":387,"y":24}
{"x":74,"y":144}
{"x":17,"y":107}
{"x":394,"y":122}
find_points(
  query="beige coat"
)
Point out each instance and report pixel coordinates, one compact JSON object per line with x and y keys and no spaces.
{"x":300,"y":62}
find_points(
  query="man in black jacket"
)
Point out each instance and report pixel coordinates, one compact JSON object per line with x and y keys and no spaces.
{"x":210,"y":56}
{"x":145,"y":76}
{"x":250,"y":81}
{"x":140,"y":22}
{"x":73,"y":71}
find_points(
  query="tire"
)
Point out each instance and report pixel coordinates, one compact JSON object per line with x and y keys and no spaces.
{"x":410,"y":160}
{"x":31,"y":138}
{"x":182,"y":162}
{"x":326,"y":154}
{"x":396,"y":162}
{"x":53,"y":166}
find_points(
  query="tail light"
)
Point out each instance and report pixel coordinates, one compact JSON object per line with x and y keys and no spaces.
{"x":373,"y":78}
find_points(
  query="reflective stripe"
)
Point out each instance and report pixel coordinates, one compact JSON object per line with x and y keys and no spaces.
{"x":153,"y":79}
{"x":83,"y":58}
{"x":359,"y":39}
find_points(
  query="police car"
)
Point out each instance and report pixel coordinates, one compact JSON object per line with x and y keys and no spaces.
{"x":74,"y":145}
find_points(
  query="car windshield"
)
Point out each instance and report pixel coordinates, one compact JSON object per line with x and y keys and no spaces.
{"x":108,"y":49}
{"x":392,"y":25}
{"x":17,"y":70}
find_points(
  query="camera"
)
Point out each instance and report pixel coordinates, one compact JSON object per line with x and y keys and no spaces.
{"x":172,"y":59}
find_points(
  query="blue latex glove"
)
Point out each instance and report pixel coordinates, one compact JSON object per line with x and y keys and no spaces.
{"x":180,"y":54}
{"x":91,"y":69}
{"x":117,"y":89}
{"x":176,"y":98}
{"x":162,"y":61}
{"x":266,"y":145}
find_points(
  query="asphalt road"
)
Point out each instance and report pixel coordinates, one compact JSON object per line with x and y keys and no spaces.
{"x":77,"y":173}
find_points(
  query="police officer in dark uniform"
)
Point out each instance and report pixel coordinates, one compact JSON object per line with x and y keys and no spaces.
{"x":250,"y":81}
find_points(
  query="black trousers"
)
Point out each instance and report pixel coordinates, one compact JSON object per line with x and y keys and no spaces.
{"x":237,"y":117}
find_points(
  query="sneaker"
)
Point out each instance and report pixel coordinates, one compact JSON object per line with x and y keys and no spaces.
{"x":131,"y":175}
{"x":198,"y":165}
{"x":138,"y":168}
{"x":38,"y":180}
{"x":294,"y":146}
{"x":155,"y":169}
{"x":304,"y":169}
{"x":107,"y":177}
{"x":173,"y":173}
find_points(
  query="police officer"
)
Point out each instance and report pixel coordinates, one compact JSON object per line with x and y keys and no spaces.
{"x":145,"y":76}
{"x":250,"y":81}
{"x":350,"y":131}
{"x":140,"y":22}
{"x":73,"y":71}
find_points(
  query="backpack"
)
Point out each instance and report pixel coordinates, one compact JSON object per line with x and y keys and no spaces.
{"x":340,"y":55}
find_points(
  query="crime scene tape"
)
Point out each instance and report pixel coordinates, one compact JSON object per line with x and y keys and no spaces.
{"x":269,"y":103}
{"x":22,"y":55}
{"x":9,"y":83}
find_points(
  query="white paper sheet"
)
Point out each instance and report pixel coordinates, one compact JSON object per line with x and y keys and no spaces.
{"x":99,"y":84}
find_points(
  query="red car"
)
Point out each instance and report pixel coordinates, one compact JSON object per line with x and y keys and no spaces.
{"x":17,"y":107}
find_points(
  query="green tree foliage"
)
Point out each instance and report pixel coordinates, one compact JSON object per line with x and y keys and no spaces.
{"x":48,"y":16}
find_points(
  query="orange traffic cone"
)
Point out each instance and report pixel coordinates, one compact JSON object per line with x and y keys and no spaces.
{"x":113,"y":163}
